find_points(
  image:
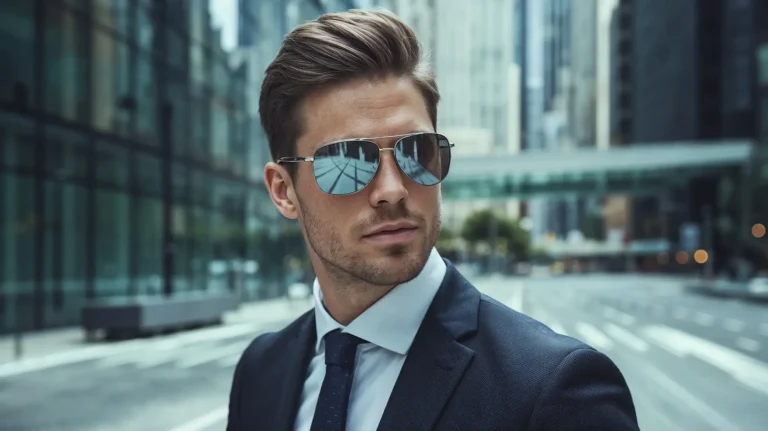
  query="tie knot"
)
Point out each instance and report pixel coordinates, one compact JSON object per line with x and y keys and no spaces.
{"x":340,"y":349}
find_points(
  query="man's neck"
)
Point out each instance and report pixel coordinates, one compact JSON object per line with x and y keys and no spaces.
{"x":347,"y":299}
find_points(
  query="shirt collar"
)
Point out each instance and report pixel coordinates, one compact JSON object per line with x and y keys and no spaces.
{"x":391,"y":322}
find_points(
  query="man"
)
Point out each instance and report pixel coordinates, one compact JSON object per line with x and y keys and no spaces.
{"x":398,"y":340}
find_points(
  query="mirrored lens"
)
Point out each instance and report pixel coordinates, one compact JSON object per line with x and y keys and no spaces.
{"x":346,"y":167}
{"x":425,"y":158}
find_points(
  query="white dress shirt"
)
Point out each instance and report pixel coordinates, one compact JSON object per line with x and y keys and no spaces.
{"x":389,"y":327}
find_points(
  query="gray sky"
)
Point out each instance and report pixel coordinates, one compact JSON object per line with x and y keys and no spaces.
{"x":224,"y":16}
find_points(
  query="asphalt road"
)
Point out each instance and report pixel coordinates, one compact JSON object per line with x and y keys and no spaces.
{"x":692,"y":363}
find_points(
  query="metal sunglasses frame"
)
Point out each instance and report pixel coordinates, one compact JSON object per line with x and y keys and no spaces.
{"x":371,"y":140}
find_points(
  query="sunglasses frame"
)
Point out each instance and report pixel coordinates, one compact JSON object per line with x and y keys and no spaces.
{"x":371,"y":140}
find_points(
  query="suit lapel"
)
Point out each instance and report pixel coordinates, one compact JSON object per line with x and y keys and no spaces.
{"x":292,"y":362}
{"x":436,"y":361}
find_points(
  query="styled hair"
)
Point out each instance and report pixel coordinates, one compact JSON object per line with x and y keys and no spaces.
{"x":334,"y":49}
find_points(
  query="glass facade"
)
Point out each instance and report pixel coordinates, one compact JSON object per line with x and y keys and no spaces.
{"x":124,"y":138}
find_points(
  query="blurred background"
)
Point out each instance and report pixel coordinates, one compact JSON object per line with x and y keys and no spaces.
{"x":609,"y":178}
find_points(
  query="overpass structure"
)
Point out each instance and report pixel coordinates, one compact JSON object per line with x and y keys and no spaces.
{"x":637,"y":170}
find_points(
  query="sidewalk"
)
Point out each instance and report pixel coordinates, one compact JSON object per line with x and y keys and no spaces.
{"x":55,"y":341}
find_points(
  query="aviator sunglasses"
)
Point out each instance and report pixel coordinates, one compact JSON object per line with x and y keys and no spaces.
{"x":346,"y":167}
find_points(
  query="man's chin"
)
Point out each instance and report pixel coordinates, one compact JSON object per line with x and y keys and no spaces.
{"x":395,"y":265}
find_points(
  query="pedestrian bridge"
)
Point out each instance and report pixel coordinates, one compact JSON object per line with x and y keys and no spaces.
{"x":642,"y":169}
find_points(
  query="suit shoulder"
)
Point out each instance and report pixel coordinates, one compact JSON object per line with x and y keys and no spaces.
{"x":270,"y":344}
{"x":528,"y":337}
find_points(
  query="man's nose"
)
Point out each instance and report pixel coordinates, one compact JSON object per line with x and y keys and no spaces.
{"x":388,"y":186}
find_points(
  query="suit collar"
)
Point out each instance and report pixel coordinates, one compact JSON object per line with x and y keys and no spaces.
{"x":437,"y":360}
{"x":294,"y":356}
{"x":409,"y":302}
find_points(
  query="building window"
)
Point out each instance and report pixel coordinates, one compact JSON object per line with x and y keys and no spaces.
{"x":149,"y":241}
{"x":114,"y":14}
{"x":17,"y":45}
{"x":18,"y":224}
{"x":112,"y":243}
{"x":112,"y":164}
{"x":110,"y":67}
{"x":17,"y":142}
{"x":66,"y":155}
{"x":65,"y":67}
{"x":147,"y":101}
{"x":145,"y":28}
{"x":64,"y":273}
{"x":178,"y":97}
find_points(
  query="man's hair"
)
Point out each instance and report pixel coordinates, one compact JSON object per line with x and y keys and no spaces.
{"x":337,"y":48}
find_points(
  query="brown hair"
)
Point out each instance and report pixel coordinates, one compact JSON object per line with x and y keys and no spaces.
{"x":336,"y":48}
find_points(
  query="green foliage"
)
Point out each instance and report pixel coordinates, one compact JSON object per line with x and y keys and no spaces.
{"x":510,"y":236}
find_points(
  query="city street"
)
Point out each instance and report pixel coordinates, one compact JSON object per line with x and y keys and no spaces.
{"x":693,"y":363}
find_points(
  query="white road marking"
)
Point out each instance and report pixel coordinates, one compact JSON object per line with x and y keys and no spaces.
{"x":65,"y":358}
{"x":557,"y":327}
{"x":747,"y":344}
{"x":745,"y":369}
{"x":166,"y":350}
{"x":211,"y":355}
{"x":704,"y":319}
{"x":647,"y":405}
{"x":709,"y":414}
{"x":734,"y":325}
{"x":229,"y":361}
{"x":593,"y":336}
{"x":680,"y":313}
{"x":621,"y":317}
{"x":515,"y":301}
{"x":625,"y":337}
{"x":205,"y":421}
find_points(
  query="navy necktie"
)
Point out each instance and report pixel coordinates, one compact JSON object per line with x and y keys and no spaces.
{"x":331,"y":410}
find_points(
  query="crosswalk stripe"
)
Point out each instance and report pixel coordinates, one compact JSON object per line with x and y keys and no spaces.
{"x":747,"y":370}
{"x":212,"y":355}
{"x":229,"y":361}
{"x":593,"y":336}
{"x":625,"y":337}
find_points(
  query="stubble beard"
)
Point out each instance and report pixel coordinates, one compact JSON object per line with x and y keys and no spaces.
{"x":349,"y":267}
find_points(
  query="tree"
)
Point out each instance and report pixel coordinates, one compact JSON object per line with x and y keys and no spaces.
{"x":510,"y":236}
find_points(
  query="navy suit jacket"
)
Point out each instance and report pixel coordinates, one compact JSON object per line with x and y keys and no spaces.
{"x":475,"y":364}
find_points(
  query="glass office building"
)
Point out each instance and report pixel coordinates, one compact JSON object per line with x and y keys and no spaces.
{"x":123,"y":144}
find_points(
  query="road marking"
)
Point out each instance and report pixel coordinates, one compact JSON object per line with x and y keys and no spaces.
{"x":647,"y":405}
{"x":734,"y":325}
{"x":557,"y":327}
{"x":594,"y":336}
{"x":166,"y":350}
{"x":65,"y":358}
{"x":515,"y":301}
{"x":745,"y":369}
{"x":625,"y":337}
{"x":680,"y":313}
{"x":704,"y":319}
{"x":747,"y":344}
{"x":110,"y":351}
{"x":211,"y":355}
{"x":709,"y":414}
{"x":621,"y":317}
{"x":229,"y":361}
{"x":205,"y":421}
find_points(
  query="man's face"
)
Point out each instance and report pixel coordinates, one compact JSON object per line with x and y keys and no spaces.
{"x":338,"y":228}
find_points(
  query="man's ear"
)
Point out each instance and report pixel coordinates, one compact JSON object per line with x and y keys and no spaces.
{"x":281,"y":190}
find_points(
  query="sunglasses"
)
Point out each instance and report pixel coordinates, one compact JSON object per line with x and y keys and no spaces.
{"x":346,"y":167}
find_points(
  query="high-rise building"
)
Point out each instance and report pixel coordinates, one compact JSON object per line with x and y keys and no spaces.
{"x":124,"y":152}
{"x":685,"y":71}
